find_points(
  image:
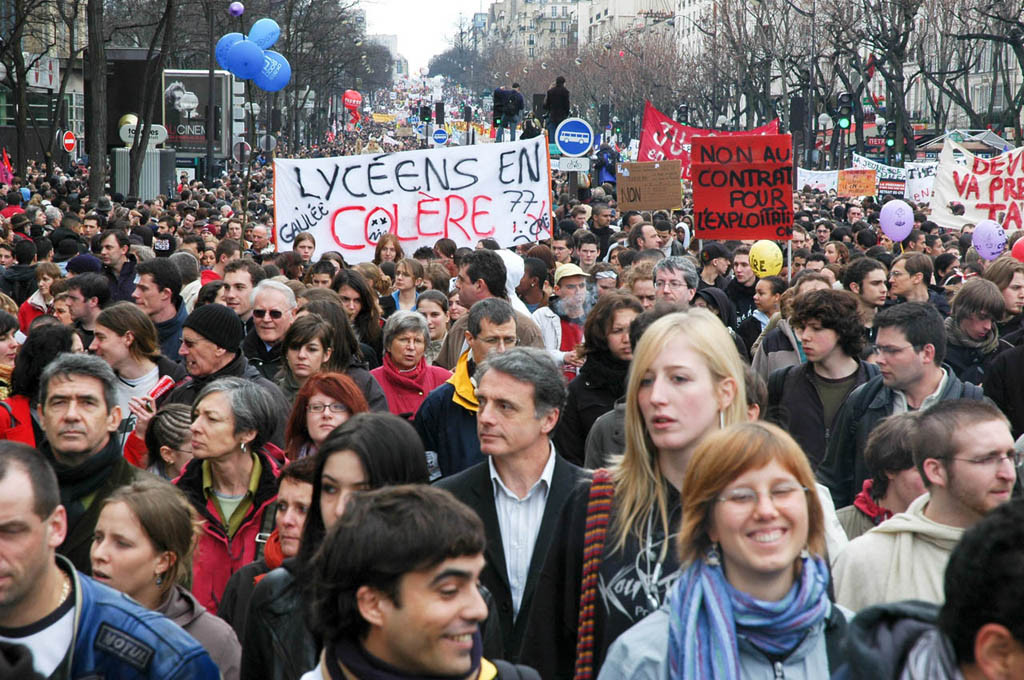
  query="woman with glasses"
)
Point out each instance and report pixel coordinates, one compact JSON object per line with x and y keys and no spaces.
{"x":752,"y":600}
{"x":405,"y":377}
{"x":370,"y":451}
{"x":324,"y":402}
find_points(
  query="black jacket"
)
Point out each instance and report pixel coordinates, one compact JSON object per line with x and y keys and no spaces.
{"x":742,"y":298}
{"x":791,"y":392}
{"x":19,"y":282}
{"x":186,"y":391}
{"x":277,"y":644}
{"x":475,"y":488}
{"x":589,"y":398}
{"x":267,"y":362}
{"x":880,"y":637}
{"x":234,"y":603}
{"x":843,"y":471}
{"x":971,"y":364}
{"x":1004,"y":387}
{"x":556,"y":103}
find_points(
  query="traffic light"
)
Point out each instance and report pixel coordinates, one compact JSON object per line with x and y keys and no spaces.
{"x":844,"y":110}
{"x":425,"y":113}
{"x":439,"y":113}
{"x":683,"y":114}
{"x":605,"y":112}
{"x":890,"y":134}
{"x":467,"y":113}
{"x":617,"y":127}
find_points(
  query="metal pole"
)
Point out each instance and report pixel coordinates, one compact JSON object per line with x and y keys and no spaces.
{"x":210,"y":118}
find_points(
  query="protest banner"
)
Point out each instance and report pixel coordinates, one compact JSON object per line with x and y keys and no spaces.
{"x":988,"y":188}
{"x":882,"y":171}
{"x":649,"y":186}
{"x":892,"y":187}
{"x":920,"y":177}
{"x":856,"y":183}
{"x":743,"y":187}
{"x":465,"y":193}
{"x":661,"y":138}
{"x":817,"y":180}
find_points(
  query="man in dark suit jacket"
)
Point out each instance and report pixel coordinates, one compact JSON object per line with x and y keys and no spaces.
{"x":521,"y":490}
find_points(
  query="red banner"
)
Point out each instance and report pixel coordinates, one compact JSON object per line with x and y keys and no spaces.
{"x":743,"y":187}
{"x":662,"y":138}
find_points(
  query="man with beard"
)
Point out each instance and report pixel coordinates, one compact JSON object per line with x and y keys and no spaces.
{"x":964,"y":452}
{"x":561,"y":321}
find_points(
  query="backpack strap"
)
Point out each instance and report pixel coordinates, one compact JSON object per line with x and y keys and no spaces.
{"x":13,"y":422}
{"x":599,"y":508}
{"x":266,"y":528}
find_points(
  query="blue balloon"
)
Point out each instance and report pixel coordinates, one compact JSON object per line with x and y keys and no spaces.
{"x":275,"y":74}
{"x":245,"y":59}
{"x":265,"y":33}
{"x":224,"y":46}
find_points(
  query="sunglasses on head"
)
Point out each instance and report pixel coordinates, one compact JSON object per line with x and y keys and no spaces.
{"x":275,"y":314}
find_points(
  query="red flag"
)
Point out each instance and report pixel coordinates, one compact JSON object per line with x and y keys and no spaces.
{"x":662,"y":138}
{"x":7,"y":161}
{"x":6,"y":172}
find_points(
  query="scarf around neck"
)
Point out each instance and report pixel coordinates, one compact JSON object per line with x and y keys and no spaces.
{"x":80,"y":481}
{"x":956,"y":335}
{"x":366,"y":666}
{"x":603,"y":369}
{"x":273,"y":555}
{"x":707,"y":615}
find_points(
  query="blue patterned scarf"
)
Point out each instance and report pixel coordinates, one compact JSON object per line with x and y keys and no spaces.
{"x":707,"y":615}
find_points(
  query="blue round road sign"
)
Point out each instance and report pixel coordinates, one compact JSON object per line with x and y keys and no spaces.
{"x":440,"y":136}
{"x":574,"y":137}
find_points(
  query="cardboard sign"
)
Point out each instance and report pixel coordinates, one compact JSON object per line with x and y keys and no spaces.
{"x":856,"y":183}
{"x":661,"y":138}
{"x":743,"y":187}
{"x":465,"y":193}
{"x":649,"y":186}
{"x":988,"y":188}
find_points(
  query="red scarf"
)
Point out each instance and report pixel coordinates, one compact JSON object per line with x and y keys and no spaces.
{"x":272,"y":555}
{"x":863,"y":502}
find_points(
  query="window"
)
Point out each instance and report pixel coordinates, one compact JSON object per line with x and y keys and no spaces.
{"x":554,"y":11}
{"x":531,"y":52}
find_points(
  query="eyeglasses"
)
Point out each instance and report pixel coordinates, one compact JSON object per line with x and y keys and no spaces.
{"x":496,"y":341}
{"x":892,"y":351}
{"x":674,"y":285}
{"x":746,"y":498}
{"x":336,"y":407}
{"x":994,"y":459}
{"x":275,"y":314}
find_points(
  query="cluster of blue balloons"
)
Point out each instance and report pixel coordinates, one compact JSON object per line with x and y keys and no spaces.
{"x":250,"y":58}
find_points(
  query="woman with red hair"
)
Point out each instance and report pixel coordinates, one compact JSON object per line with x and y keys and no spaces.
{"x":325,"y":401}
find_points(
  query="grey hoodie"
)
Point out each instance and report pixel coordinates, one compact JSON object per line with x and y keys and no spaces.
{"x":214,"y":634}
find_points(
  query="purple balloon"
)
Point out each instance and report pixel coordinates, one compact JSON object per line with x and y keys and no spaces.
{"x":989,"y":239}
{"x":896,"y":220}
{"x":236,"y":9}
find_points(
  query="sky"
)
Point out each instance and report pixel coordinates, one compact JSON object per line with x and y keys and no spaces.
{"x":423,"y":28}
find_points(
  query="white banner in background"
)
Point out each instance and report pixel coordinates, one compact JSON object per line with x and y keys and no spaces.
{"x":465,"y":193}
{"x":819,"y":180}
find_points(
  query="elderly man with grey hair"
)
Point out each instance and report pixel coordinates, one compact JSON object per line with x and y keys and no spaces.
{"x":676,"y":281}
{"x":405,"y":376}
{"x":522,"y":488}
{"x":273,"y":311}
{"x":79,"y":415}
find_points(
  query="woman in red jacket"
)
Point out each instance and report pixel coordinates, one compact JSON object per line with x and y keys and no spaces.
{"x":228,"y":481}
{"x":405,"y":376}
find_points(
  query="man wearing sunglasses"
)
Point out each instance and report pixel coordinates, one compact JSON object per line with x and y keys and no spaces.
{"x":273,"y":309}
{"x":964,"y":452}
{"x":210,"y":347}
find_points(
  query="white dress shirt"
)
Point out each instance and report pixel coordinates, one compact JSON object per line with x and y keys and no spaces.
{"x":519,"y":522}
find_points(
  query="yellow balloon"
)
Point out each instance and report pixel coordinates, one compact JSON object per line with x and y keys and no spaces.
{"x":765,"y":258}
{"x":127,"y":119}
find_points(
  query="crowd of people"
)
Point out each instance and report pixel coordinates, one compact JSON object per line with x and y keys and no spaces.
{"x":613,"y":453}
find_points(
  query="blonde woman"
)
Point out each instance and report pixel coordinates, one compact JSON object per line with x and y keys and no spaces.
{"x":616,"y":566}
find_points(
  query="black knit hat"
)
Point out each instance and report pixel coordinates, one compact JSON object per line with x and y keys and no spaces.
{"x":218,"y":324}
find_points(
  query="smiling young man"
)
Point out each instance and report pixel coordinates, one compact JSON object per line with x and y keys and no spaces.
{"x":241,"y":277}
{"x":911,"y":347}
{"x":395,"y":590}
{"x":964,"y":452}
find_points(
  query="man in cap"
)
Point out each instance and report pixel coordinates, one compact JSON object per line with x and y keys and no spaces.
{"x":714,"y":259}
{"x":561,"y":321}
{"x":211,"y":338}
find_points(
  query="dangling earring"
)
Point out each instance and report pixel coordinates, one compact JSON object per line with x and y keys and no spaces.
{"x":712,"y":558}
{"x":805,"y":553}
{"x":242,"y":446}
{"x":721,"y":420}
{"x":159,"y":579}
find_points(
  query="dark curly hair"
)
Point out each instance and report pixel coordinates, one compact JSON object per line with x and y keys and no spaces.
{"x":835,"y":310}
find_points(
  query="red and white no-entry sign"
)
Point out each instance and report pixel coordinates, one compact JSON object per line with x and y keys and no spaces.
{"x":69,"y":141}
